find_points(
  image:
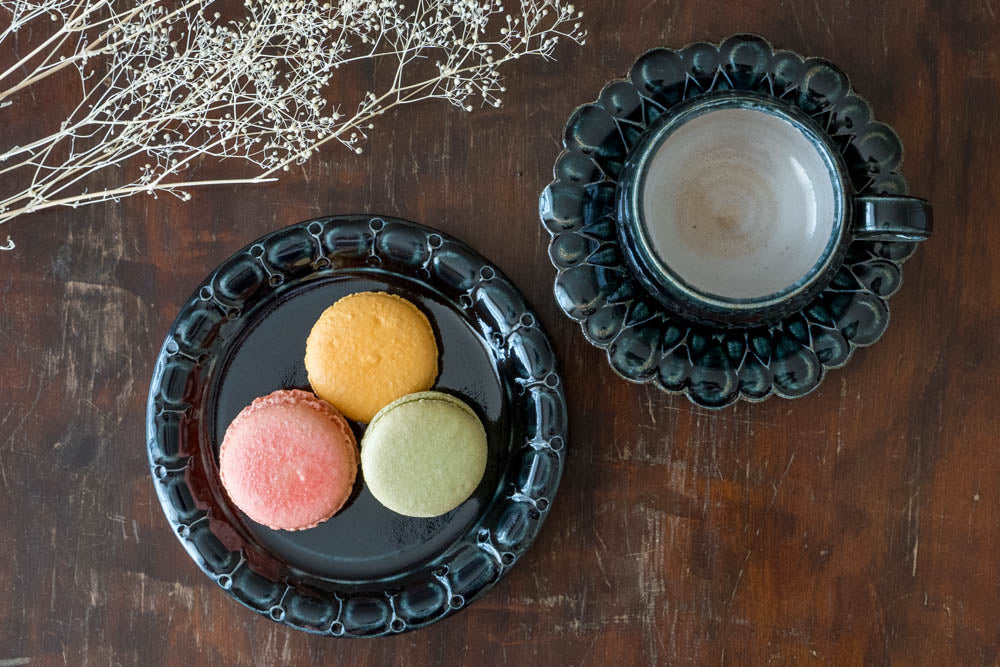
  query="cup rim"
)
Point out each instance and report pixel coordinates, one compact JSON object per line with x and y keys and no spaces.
{"x":634,"y":181}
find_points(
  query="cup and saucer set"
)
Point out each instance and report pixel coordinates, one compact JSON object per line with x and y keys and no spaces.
{"x":728,"y":222}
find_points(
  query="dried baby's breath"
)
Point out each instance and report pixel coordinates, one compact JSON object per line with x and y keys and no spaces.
{"x":164,"y":85}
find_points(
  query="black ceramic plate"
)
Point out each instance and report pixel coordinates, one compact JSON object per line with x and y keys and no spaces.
{"x":646,"y":343}
{"x":367,"y":571}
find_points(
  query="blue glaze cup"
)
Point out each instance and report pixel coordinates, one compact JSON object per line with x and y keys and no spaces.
{"x":735,"y":209}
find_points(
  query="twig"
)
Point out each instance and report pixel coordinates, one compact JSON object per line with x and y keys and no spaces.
{"x":175,"y":84}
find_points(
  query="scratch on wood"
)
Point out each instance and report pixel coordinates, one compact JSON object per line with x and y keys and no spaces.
{"x":698,"y":413}
{"x":649,"y":405}
{"x":746,"y":491}
{"x":27,"y":413}
{"x":547,"y":601}
{"x":651,"y":582}
{"x":120,"y":520}
{"x":583,"y":660}
{"x":95,"y":589}
{"x":286,"y":650}
{"x":913,"y":507}
{"x":840,"y":414}
{"x":52,"y":596}
{"x":183,"y":593}
{"x":600,"y":561}
{"x":913,"y":523}
{"x":628,"y":545}
{"x":777,"y":487}
{"x":739,"y":577}
{"x":885,"y":26}
{"x":12,"y":662}
{"x":5,"y":417}
{"x":767,"y":511}
{"x":165,"y":594}
{"x":649,"y":5}
{"x":798,"y":21}
{"x":820,"y":14}
{"x":972,"y":509}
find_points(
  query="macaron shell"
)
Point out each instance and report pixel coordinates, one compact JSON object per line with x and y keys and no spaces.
{"x":424,"y":454}
{"x":288,"y":460}
{"x":369,"y":349}
{"x":425,"y":396}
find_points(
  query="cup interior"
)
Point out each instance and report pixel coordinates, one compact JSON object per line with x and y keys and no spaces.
{"x":740,"y":202}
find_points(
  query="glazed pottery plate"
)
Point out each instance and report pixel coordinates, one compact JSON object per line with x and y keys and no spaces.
{"x":644,"y":341}
{"x":367,"y":571}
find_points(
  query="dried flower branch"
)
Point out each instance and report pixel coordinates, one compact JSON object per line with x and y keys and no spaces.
{"x":168,"y":85}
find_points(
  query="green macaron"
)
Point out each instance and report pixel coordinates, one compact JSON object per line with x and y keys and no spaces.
{"x":423,"y":454}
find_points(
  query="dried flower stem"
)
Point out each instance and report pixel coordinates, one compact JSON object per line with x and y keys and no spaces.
{"x":176,"y":85}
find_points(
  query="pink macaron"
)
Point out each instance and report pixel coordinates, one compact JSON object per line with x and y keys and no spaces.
{"x":289,"y":460}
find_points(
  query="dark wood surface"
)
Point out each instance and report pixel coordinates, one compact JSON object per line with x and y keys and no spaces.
{"x":860,"y":524}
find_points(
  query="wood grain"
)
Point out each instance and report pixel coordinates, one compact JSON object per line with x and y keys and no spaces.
{"x":860,"y":524}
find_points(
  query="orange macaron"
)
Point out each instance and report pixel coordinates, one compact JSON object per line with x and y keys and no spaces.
{"x":367,"y":350}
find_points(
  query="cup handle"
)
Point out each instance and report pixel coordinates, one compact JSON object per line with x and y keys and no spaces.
{"x":892,"y":218}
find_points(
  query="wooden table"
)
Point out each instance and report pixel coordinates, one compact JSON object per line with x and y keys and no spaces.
{"x":860,"y":524}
